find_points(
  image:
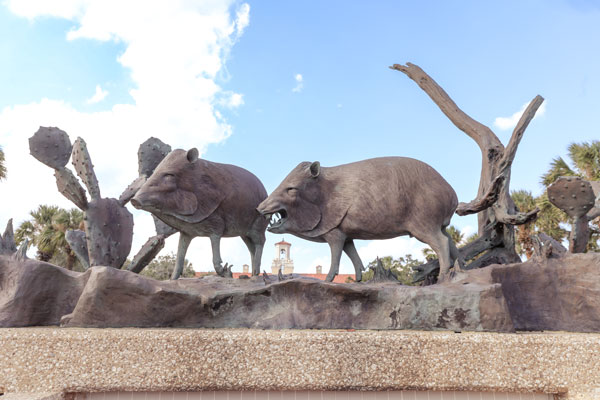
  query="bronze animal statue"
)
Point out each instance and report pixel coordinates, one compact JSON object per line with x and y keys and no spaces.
{"x":202,"y":198}
{"x":379,"y":198}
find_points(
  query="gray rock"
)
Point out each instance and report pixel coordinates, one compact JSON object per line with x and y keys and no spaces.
{"x":553,"y":294}
{"x":35,"y":293}
{"x":558,"y":294}
{"x":301,"y":303}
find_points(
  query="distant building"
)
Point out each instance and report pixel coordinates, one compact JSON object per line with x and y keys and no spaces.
{"x":283,"y":259}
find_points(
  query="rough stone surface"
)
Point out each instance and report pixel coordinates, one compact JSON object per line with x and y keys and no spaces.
{"x":7,"y":240}
{"x":101,"y":360}
{"x":114,"y":298}
{"x":554,"y":294}
{"x":559,"y":294}
{"x":35,"y":293}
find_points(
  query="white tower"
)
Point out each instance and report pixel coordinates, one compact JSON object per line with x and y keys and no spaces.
{"x":282,"y":258}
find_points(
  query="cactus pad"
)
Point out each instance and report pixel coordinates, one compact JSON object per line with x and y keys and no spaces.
{"x":78,"y":244}
{"x":51,"y":146}
{"x":147,"y":253}
{"x":69,"y":186}
{"x":162,"y":228}
{"x":132,"y":190}
{"x":150,"y":154}
{"x":109,"y":231}
{"x":85,"y":169}
{"x":573,"y":195}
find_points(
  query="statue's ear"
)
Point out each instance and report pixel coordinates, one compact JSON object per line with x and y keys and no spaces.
{"x":315,"y":169}
{"x":192,"y":155}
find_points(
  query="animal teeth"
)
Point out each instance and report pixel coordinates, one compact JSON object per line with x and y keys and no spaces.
{"x":275,"y":219}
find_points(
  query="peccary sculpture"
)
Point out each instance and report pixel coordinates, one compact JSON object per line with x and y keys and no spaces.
{"x":379,"y":198}
{"x":202,"y":198}
{"x":108,"y":224}
{"x":578,"y":199}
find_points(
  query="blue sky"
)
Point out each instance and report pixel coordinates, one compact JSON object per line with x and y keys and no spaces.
{"x":267,"y":84}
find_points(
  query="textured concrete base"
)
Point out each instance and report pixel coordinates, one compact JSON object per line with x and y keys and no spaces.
{"x":98,"y":360}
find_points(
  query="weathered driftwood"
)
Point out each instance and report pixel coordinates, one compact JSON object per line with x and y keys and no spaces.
{"x":497,"y":213}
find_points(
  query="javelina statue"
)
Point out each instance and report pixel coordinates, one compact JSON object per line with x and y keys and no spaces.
{"x":203,"y":198}
{"x":380,"y":198}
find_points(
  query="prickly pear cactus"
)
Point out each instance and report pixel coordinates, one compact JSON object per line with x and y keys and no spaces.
{"x":131,"y":190}
{"x":576,"y":198}
{"x":150,"y":154}
{"x":69,"y":186}
{"x":108,"y":224}
{"x":149,"y":250}
{"x":109,"y":231}
{"x":85,"y":169}
{"x":78,"y":244}
{"x":162,"y":228}
{"x":51,"y":146}
{"x":573,"y":195}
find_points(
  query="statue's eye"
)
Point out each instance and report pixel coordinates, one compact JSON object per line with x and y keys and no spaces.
{"x":168,"y":177}
{"x":292,"y":191}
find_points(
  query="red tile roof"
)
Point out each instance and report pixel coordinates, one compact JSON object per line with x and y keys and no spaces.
{"x":341,"y":278}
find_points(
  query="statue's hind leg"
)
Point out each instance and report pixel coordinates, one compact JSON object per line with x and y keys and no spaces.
{"x":440,"y":243}
{"x":255,"y":244}
{"x":456,"y":259}
{"x":350,"y":250}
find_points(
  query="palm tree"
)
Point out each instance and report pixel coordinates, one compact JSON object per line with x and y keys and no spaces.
{"x":2,"y":166}
{"x":525,"y":202}
{"x":46,"y":230}
{"x":585,"y":158}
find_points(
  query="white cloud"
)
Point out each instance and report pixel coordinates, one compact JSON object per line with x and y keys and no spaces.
{"x":242,"y":18}
{"x":231,"y":100}
{"x":174,"y":51}
{"x":98,"y":96}
{"x":299,"y":83}
{"x":506,"y":123}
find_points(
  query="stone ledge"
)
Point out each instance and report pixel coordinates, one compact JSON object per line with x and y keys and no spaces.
{"x":97,"y":360}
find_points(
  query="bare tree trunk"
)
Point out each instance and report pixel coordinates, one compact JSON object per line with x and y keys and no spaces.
{"x":497,"y":213}
{"x":70,"y":259}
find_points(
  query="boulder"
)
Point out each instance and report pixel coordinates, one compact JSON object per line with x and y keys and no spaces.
{"x":115,"y":298}
{"x":542,"y":294}
{"x":36,"y":293}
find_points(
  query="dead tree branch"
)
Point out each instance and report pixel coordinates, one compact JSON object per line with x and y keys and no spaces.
{"x":497,"y":213}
